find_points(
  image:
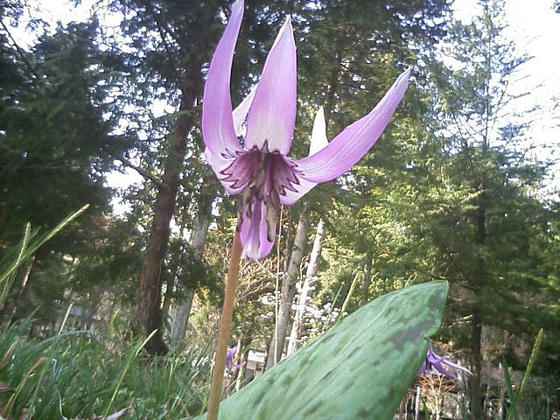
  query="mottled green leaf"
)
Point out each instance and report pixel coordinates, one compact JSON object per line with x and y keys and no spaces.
{"x":359,"y":369}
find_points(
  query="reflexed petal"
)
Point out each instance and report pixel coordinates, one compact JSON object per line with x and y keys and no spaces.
{"x":354,"y":141}
{"x":224,"y":166}
{"x":217,"y":121}
{"x":456,"y":366}
{"x":240,"y":113}
{"x":440,"y":363}
{"x":255,"y":231}
{"x":289,"y":197}
{"x":319,"y":133}
{"x":444,"y":372}
{"x":272,"y":116}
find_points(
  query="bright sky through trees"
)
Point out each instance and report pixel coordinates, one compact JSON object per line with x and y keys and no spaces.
{"x":535,"y":29}
{"x":534,"y":26}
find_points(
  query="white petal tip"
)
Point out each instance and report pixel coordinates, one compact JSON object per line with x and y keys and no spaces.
{"x":287,"y":25}
{"x":406,"y":73}
{"x":319,"y":133}
{"x":237,"y":6}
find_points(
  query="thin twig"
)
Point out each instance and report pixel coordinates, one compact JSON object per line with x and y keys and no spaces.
{"x":95,"y":135}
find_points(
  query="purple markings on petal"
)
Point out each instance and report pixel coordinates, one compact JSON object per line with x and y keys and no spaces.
{"x":255,"y":230}
{"x":273,"y":113}
{"x":240,"y":171}
{"x":354,"y":141}
{"x":268,"y":177}
{"x":290,"y":197}
{"x":218,"y":164}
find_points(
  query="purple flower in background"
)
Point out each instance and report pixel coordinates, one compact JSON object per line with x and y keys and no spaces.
{"x":247,"y":148}
{"x":439,"y":363}
{"x":230,"y":355}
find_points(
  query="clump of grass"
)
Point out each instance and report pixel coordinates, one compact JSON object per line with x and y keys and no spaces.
{"x":80,"y":374}
{"x":71,"y":375}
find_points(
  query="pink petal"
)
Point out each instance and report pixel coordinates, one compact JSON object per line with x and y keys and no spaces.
{"x":456,"y":366}
{"x":240,"y":113}
{"x":289,"y":197}
{"x":354,"y":141}
{"x":217,"y":122}
{"x":218,"y":164}
{"x":234,"y":172}
{"x":272,"y":117}
{"x":256,"y":232}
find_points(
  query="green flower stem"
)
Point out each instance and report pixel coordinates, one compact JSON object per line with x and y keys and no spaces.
{"x":225,"y":326}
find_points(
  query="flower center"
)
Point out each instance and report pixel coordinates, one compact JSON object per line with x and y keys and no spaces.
{"x":270,"y":174}
{"x":263,"y":176}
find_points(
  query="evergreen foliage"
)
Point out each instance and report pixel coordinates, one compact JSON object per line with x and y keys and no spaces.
{"x":450,"y":192}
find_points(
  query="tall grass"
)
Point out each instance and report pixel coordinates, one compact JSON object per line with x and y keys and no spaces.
{"x":80,"y":374}
{"x":76,"y":375}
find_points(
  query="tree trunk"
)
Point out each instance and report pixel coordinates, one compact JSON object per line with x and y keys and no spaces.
{"x":306,"y":289}
{"x":476,"y":365}
{"x":476,"y":323}
{"x":169,"y":289}
{"x":288,"y":288}
{"x":477,"y":283}
{"x":476,"y":400}
{"x":180,"y":311}
{"x":179,"y":314}
{"x":149,"y":290}
{"x":366,"y":280}
{"x":288,"y":244}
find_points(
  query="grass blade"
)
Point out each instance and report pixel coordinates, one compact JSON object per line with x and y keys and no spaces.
{"x":527,"y":373}
{"x":129,"y":360}
{"x":27,"y":252}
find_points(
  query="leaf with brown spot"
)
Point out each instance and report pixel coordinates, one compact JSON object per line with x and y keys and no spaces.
{"x":360,"y":369}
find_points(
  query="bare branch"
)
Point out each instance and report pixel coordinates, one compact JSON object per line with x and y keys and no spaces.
{"x":143,"y":172}
{"x":20,"y":51}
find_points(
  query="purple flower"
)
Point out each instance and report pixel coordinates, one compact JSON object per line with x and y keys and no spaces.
{"x":230,"y":355}
{"x":247,"y":148}
{"x":439,"y":363}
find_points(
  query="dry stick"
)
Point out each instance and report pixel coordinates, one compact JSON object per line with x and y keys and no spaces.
{"x":225,"y":326}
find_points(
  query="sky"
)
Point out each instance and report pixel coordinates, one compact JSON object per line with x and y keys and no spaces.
{"x":532,"y":25}
{"x":535,"y":29}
